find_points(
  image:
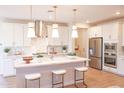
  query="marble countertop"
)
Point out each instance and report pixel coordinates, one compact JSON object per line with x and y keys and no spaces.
{"x":50,"y":61}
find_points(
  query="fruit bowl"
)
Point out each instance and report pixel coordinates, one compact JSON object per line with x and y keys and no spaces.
{"x":27,"y":59}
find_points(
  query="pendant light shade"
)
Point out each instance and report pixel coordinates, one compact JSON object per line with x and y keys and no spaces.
{"x":74,"y":32}
{"x":74,"y":27}
{"x":31,"y":33}
{"x":55,"y":33}
{"x":31,"y":25}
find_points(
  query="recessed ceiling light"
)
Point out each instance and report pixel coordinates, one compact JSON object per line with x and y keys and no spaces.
{"x":117,"y":13}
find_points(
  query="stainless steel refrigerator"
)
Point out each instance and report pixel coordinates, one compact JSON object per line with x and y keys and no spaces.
{"x":96,"y":52}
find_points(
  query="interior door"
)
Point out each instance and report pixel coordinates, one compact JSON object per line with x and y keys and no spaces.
{"x":81,"y":43}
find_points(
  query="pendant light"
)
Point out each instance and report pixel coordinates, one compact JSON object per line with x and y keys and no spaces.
{"x":55,"y":33}
{"x":31,"y":25}
{"x":74,"y":28}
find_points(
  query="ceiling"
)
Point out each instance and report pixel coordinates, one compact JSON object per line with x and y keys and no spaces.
{"x":64,"y":12}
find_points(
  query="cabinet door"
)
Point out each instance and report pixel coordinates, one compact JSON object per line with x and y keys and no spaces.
{"x":8,"y":69}
{"x":1,"y":35}
{"x":98,"y":31}
{"x":7,"y":34}
{"x":110,"y":31}
{"x":120,"y":66}
{"x":26,"y":40}
{"x":95,"y":31}
{"x":64,"y":35}
{"x":122,"y":34}
{"x":106,"y":28}
{"x":18,"y":34}
{"x":53,"y":41}
{"x":114,"y":31}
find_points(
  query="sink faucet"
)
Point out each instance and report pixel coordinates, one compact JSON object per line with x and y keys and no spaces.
{"x":52,"y":53}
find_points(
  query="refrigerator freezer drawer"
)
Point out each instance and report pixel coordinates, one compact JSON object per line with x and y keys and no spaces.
{"x":95,"y":63}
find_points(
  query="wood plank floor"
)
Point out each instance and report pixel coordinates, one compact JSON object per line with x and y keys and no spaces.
{"x":94,"y":79}
{"x":101,"y":79}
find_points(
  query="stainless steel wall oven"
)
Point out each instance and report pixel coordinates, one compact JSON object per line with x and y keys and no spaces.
{"x":110,"y":55}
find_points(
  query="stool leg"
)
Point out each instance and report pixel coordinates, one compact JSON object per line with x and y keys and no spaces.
{"x":63,"y":81}
{"x":52,"y":80}
{"x":84,"y":80}
{"x":75,"y":79}
{"x":39,"y":82}
{"x":25,"y":83}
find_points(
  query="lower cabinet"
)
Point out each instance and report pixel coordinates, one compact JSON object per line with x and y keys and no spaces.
{"x":8,"y":67}
{"x":120,"y":66}
{"x":110,"y":69}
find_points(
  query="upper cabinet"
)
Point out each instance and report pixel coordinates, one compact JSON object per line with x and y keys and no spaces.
{"x":63,"y":36}
{"x":14,"y":34}
{"x":95,"y":31}
{"x":122,"y":34}
{"x":26,"y":40}
{"x":110,"y":32}
{"x":7,"y":34}
{"x":18,"y":34}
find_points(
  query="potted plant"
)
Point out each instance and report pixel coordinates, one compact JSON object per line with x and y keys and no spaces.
{"x":64,"y":49}
{"x":6,"y":50}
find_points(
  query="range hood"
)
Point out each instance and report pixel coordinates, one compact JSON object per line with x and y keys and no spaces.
{"x":40,"y":29}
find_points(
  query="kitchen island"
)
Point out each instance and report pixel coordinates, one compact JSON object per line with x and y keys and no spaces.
{"x":44,"y":66}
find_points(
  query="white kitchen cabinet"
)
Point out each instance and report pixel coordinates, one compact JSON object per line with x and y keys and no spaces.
{"x":110,"y":32}
{"x":122,"y":34}
{"x":95,"y":31}
{"x":63,"y":36}
{"x":8,"y":67}
{"x":1,"y":34}
{"x":7,"y":34}
{"x":120,"y":66}
{"x":18,"y":34}
{"x":110,"y":69}
{"x":14,"y":34}
{"x":26,"y":40}
{"x":52,"y":41}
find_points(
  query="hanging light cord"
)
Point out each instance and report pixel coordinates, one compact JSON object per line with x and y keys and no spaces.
{"x":55,"y":12}
{"x":31,"y":12}
{"x":74,"y":15}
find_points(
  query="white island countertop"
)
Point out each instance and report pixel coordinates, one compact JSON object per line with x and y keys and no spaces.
{"x":45,"y":65}
{"x":50,"y":61}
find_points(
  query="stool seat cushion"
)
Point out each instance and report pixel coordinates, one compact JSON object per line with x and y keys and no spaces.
{"x":81,"y":68}
{"x":32,"y":76}
{"x":59,"y":72}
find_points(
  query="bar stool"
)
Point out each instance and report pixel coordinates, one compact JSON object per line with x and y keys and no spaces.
{"x":31,"y":77}
{"x":83,"y":70}
{"x":58,"y":72}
